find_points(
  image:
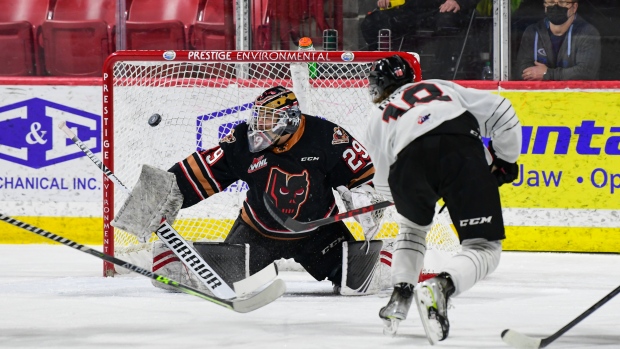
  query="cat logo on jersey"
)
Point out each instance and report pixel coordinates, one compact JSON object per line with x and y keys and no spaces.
{"x":340,"y":136}
{"x":257,"y":164}
{"x":289,"y":191}
{"x":423,"y":118}
{"x":229,"y":138}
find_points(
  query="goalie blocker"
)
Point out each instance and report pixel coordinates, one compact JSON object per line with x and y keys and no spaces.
{"x":362,"y":273}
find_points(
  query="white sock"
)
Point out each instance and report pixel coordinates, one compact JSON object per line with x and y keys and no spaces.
{"x":409,"y":250}
{"x":478,"y":258}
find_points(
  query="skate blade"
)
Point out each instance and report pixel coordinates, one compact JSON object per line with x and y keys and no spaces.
{"x":423,"y":300}
{"x":390,"y":327}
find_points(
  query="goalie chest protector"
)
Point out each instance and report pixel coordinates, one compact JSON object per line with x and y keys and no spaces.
{"x":298,"y":175}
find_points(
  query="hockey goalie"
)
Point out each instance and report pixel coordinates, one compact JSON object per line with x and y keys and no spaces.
{"x":300,"y":161}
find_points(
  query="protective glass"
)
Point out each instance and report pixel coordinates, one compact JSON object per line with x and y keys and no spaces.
{"x":265,"y":126}
{"x":562,"y":3}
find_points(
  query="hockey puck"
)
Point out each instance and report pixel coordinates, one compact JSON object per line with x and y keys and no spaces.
{"x":154,"y":120}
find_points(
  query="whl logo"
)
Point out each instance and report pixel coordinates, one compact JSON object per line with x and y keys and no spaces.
{"x":257,"y":164}
{"x":29,"y":134}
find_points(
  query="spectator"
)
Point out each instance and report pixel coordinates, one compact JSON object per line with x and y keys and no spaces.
{"x":562,"y":46}
{"x":413,"y":15}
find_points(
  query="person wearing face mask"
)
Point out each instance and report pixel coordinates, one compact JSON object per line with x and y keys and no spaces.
{"x":562,"y":46}
{"x":299,"y":161}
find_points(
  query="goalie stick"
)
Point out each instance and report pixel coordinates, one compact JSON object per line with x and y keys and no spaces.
{"x":519,"y":340}
{"x":262,"y":298}
{"x":179,"y":246}
{"x":302,"y":227}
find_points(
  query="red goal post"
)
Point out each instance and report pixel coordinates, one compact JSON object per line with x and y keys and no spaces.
{"x":200,"y":96}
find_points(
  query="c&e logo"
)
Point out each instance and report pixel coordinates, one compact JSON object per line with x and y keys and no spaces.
{"x":29,"y":134}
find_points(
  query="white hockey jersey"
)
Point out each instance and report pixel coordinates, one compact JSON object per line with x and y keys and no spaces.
{"x":415,"y":109}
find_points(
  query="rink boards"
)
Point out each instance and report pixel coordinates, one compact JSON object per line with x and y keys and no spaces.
{"x":565,"y":200}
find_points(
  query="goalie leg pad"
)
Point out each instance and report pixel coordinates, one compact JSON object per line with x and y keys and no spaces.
{"x":228,"y":260}
{"x":361,"y":271}
{"x":166,"y":263}
{"x":155,"y":196}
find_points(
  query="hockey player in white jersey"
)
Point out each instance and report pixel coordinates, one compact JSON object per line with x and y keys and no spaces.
{"x":425,"y":141}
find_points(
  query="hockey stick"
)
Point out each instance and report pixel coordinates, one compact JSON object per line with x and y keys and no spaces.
{"x":519,"y":340}
{"x":302,"y":227}
{"x":266,"y":296}
{"x":179,"y":246}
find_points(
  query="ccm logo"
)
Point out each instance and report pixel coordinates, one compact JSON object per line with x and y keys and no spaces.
{"x":475,"y":221}
{"x":310,"y":158}
{"x":334,"y":243}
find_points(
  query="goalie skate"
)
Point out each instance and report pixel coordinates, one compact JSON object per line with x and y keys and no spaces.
{"x":397,"y":308}
{"x":431,"y":297}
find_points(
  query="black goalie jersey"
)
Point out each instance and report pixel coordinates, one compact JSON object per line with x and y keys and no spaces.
{"x":299,"y":175}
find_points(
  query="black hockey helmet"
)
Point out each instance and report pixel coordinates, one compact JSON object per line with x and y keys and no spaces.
{"x":389,"y":73}
{"x":275,"y":113}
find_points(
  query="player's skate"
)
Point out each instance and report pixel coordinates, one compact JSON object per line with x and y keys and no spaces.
{"x":397,"y":308}
{"x":431,"y":296}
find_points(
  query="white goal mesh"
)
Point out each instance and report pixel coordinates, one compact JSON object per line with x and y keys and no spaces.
{"x":200,"y":97}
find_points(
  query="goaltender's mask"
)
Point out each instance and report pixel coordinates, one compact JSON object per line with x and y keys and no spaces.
{"x":275,"y":113}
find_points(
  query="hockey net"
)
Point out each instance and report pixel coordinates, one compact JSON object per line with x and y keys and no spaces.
{"x":200,"y":96}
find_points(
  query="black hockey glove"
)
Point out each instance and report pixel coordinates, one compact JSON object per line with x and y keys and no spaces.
{"x":505,"y":172}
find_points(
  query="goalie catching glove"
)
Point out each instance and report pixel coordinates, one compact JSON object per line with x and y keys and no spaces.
{"x":505,"y":172}
{"x":361,"y":196}
{"x":156,"y":196}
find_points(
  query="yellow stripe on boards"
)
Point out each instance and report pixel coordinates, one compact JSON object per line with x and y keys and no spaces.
{"x":83,"y":230}
{"x":88,"y":231}
{"x":562,"y":239}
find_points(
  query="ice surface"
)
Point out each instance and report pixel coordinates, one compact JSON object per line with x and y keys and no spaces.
{"x":54,"y":297}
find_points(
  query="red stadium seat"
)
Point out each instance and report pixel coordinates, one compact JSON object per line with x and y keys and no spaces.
{"x":262,"y":21}
{"x":277,"y":23}
{"x":160,"y":24}
{"x":79,"y":37}
{"x":212,"y":32}
{"x":19,"y":23}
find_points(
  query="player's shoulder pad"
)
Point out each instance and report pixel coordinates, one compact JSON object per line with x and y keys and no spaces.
{"x":238,"y":132}
{"x":236,"y":137}
{"x":337,"y":134}
{"x":229,"y":138}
